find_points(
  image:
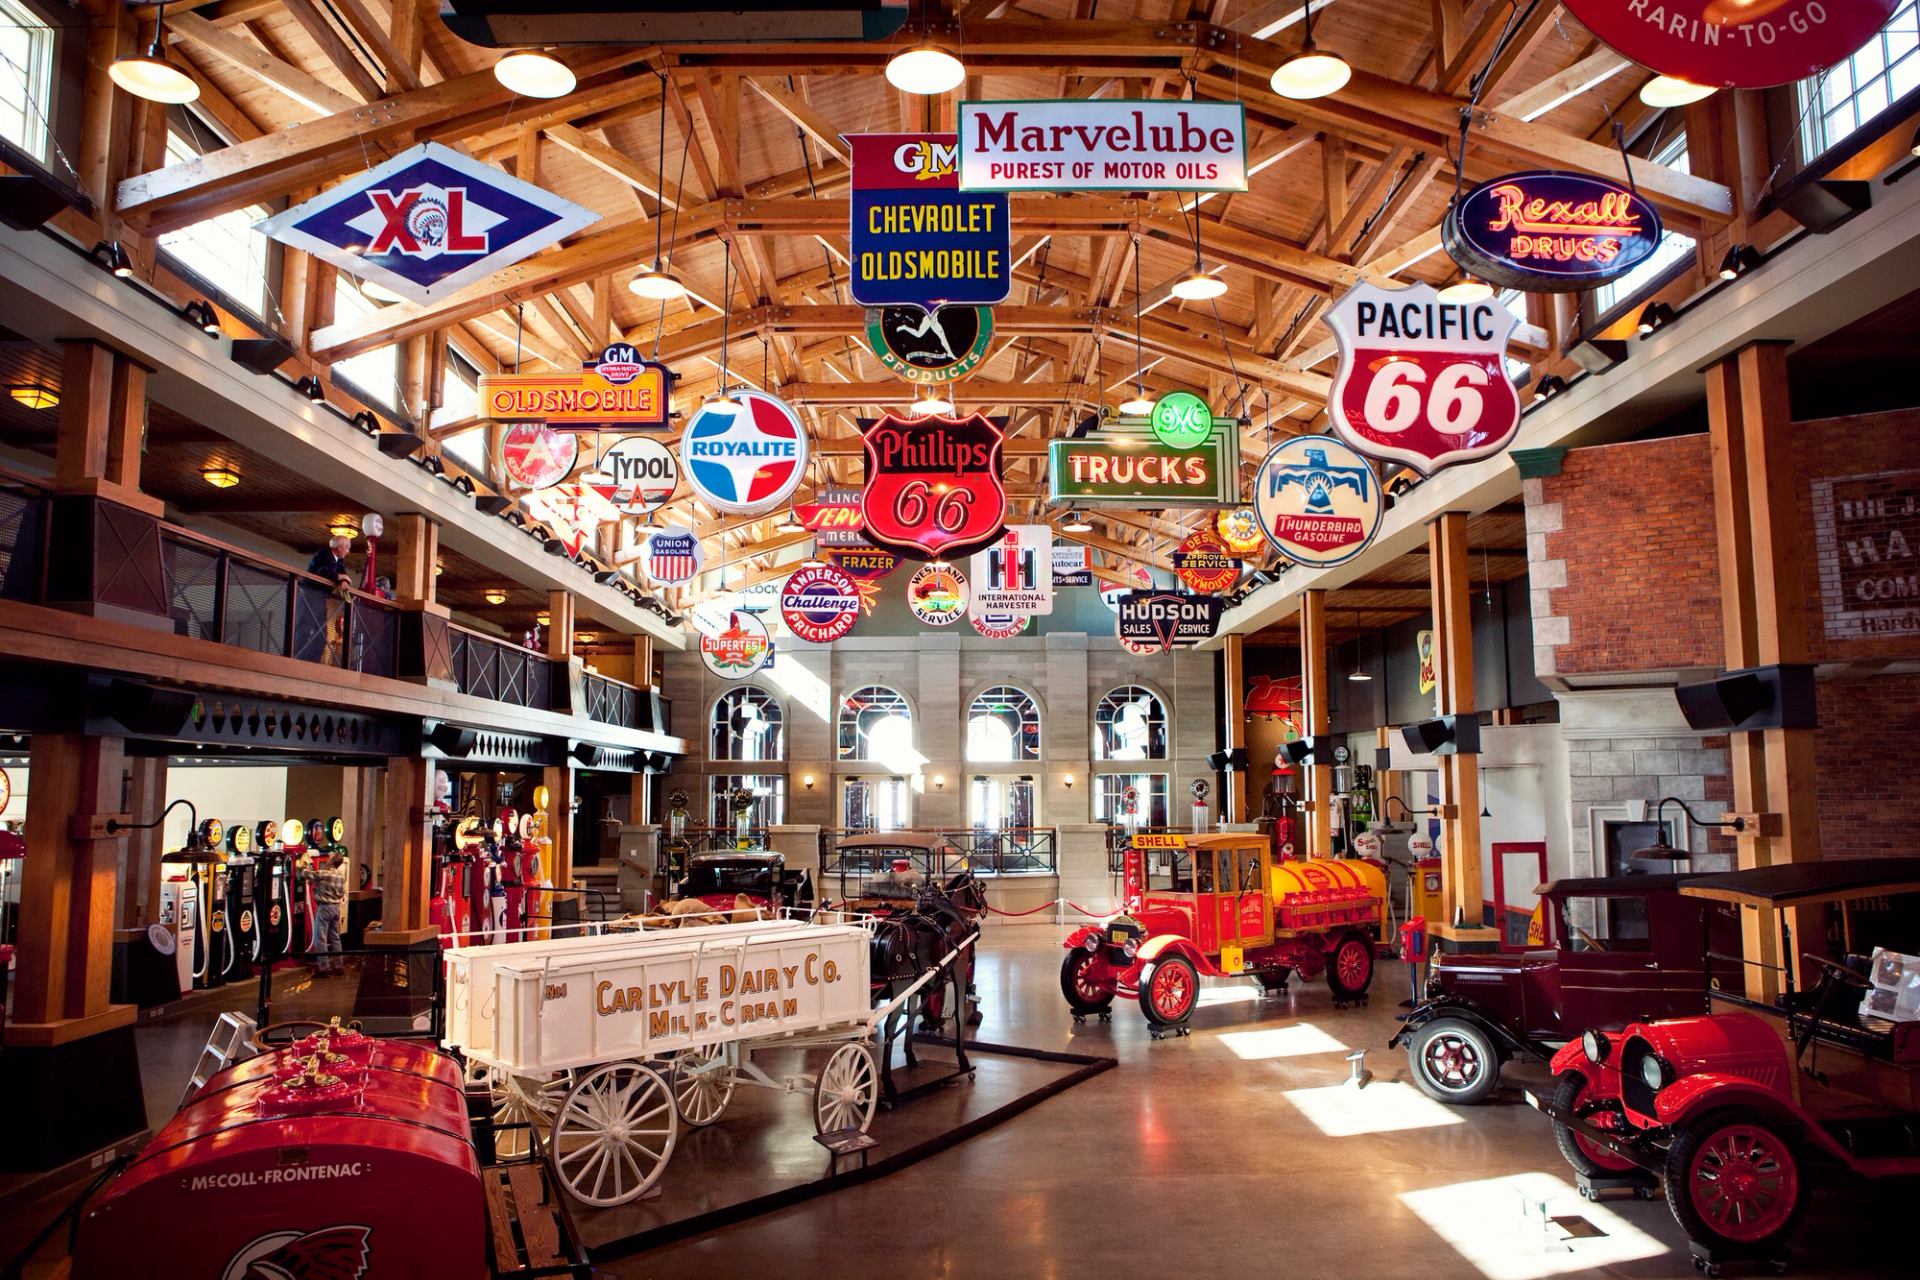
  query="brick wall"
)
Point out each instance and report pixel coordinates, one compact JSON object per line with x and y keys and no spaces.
{"x":1868,"y":738}
{"x":1621,"y":552}
{"x":1860,"y":508}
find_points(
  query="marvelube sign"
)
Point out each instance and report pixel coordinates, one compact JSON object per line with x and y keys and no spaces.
{"x":819,"y":603}
{"x":1168,"y":619}
{"x":929,"y":346}
{"x":1318,"y":500}
{"x":1743,"y":44}
{"x":427,"y":223}
{"x":933,"y":485}
{"x":1421,"y":381}
{"x":744,"y":457}
{"x":618,"y":390}
{"x":1547,"y":231}
{"x":1106,"y":144}
{"x":1127,"y":469}
{"x":915,"y":237}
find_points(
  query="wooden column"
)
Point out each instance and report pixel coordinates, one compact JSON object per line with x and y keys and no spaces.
{"x":141,"y":871}
{"x":65,"y":960}
{"x":407,"y":869}
{"x":1763,"y":618}
{"x":1387,"y":782}
{"x":559,"y":782}
{"x":416,"y":548}
{"x":1460,"y":883}
{"x":559,"y":624}
{"x":640,"y":793}
{"x":416,"y":395}
{"x":1233,"y":673}
{"x":86,"y":403}
{"x":1313,"y":685}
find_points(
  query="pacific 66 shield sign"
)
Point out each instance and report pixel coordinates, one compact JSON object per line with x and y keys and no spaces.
{"x":916,"y":237}
{"x":1421,"y":381}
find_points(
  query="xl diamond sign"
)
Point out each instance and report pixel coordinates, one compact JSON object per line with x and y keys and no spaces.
{"x":428,"y":222}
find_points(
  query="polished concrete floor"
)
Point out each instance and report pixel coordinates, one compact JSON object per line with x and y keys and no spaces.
{"x":1238,"y":1150}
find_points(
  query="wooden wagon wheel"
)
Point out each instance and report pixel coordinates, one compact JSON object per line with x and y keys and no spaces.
{"x":517,"y":1099}
{"x":702,"y":1080}
{"x":614,"y":1133}
{"x":848,"y":1090}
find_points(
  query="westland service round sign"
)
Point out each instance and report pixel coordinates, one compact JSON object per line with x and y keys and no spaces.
{"x":1318,"y":500}
{"x":745,"y":457}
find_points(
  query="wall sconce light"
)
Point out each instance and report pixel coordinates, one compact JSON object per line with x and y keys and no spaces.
{"x":807,"y":781}
{"x":1068,"y":779}
{"x":1550,"y":386}
{"x":1656,"y":316}
{"x":110,"y":254}
{"x":1740,"y":259}
{"x":200,"y":312}
{"x":939,"y":782}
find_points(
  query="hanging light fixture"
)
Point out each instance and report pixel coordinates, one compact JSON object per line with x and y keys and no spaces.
{"x":1672,"y":91}
{"x":152,"y":75}
{"x":220,"y":477}
{"x":542,"y":618}
{"x":789,"y":523}
{"x":534,"y":73}
{"x":1139,"y":404}
{"x":1359,"y":674}
{"x":656,"y":283}
{"x":495,"y":595}
{"x":1076,"y":522}
{"x":1310,"y":73}
{"x":344,"y":528}
{"x":725,"y":394}
{"x":1465,"y":288}
{"x":928,"y":67}
{"x":930,"y":402}
{"x":1197,"y":286}
{"x":35,"y":397}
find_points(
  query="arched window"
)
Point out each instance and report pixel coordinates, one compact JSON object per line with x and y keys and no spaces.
{"x":876,"y":724}
{"x":747,"y":725}
{"x":1130,"y":723}
{"x":1003,"y":726}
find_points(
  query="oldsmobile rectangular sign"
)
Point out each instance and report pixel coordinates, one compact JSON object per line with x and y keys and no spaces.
{"x":916,"y":238}
{"x":620,"y":389}
{"x":1107,"y":145}
{"x":1137,"y":470}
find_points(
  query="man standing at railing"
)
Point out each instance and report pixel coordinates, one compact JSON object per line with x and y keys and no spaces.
{"x":330,"y":899}
{"x":330,"y":562}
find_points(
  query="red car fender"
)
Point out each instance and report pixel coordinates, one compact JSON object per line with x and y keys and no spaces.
{"x":1603,"y":1079}
{"x":1078,"y":938}
{"x":1691,"y":1095}
{"x":1160,"y":944}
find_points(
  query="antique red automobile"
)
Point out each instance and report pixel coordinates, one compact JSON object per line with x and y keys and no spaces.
{"x":1730,"y":1111}
{"x":719,"y":879}
{"x":1615,"y":950}
{"x":1219,"y":905}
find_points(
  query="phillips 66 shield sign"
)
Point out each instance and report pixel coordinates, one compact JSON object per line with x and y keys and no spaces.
{"x":1421,"y":381}
{"x":933,"y":485}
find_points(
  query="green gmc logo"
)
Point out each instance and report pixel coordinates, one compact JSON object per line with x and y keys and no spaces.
{"x":1181,"y":420}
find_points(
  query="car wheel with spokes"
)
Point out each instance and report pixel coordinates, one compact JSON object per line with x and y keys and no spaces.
{"x":1350,"y":967}
{"x":1169,"y":993}
{"x":1586,"y":1156}
{"x":1084,"y":992}
{"x":1734,"y":1179}
{"x":1454,"y":1061}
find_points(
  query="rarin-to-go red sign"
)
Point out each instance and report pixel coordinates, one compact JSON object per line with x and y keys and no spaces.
{"x":1421,"y":381}
{"x":1741,"y":44}
{"x":1110,"y":144}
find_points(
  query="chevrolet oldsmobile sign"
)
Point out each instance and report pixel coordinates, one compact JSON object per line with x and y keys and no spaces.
{"x":915,"y":237}
{"x":1124,"y":466}
{"x":1110,"y":144}
{"x":618,"y":390}
{"x":1738,"y":44}
{"x":427,"y":223}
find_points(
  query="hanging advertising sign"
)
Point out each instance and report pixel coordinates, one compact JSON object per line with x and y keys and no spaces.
{"x":937,"y":594}
{"x":833,"y":518}
{"x":744,"y":457}
{"x":933,"y":485}
{"x":1168,"y":619}
{"x":1421,"y":381}
{"x":1071,"y":567}
{"x":930,"y":346}
{"x":1015,"y":574}
{"x":673,"y":555}
{"x":915,"y":237}
{"x":1735,"y":44}
{"x":1203,"y":564}
{"x":1181,"y":420}
{"x":862,"y":563}
{"x":1112,"y":594}
{"x":1318,"y":501}
{"x":819,"y":603}
{"x":1550,"y":232}
{"x":1423,"y":646}
{"x":739,"y":649}
{"x":636,"y":474}
{"x":999,"y":626}
{"x":618,"y":390}
{"x":427,"y":223}
{"x":1117,"y":470}
{"x":1108,"y":144}
{"x":1269,"y":698}
{"x":537,"y":457}
{"x":1239,"y":529}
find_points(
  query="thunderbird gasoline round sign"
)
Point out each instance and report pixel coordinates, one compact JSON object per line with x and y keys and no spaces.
{"x":1422,"y":382}
{"x":1738,"y":44}
{"x":1318,"y":501}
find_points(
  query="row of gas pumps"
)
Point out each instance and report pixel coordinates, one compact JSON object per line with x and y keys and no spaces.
{"x":491,"y":880}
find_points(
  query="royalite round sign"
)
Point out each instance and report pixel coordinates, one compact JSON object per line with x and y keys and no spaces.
{"x":937,"y":594}
{"x":636,"y":474}
{"x":1203,"y":564}
{"x":536,"y":456}
{"x":930,"y":346}
{"x":746,"y":457}
{"x":1737,"y":44}
{"x":1239,"y":529}
{"x":1318,"y":500}
{"x":819,"y":603}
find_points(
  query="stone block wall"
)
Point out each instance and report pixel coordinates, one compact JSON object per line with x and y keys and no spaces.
{"x":1626,"y":745}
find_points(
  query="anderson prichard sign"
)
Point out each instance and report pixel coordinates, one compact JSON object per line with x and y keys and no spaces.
{"x":1107,"y":145}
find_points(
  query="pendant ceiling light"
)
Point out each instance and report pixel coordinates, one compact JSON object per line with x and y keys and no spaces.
{"x":789,"y":523}
{"x":656,"y":283}
{"x":532,"y":73}
{"x":1465,"y":288}
{"x":1138,"y":405}
{"x":926,"y":68}
{"x":220,"y":477}
{"x":1311,"y":73}
{"x":1197,"y":285}
{"x":35,"y":397}
{"x":152,"y":75}
{"x":1076,"y":522}
{"x":931,"y":402}
{"x":1672,"y":91}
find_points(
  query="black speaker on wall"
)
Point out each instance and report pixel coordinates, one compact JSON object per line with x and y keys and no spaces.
{"x":1444,"y":736}
{"x":1310,"y":750}
{"x":451,"y":740}
{"x":1223,"y":760}
{"x":1777,"y":697}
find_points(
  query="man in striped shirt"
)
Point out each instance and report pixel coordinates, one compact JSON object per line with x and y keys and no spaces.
{"x":329,"y":901}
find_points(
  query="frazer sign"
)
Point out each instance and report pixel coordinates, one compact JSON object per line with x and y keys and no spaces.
{"x":915,"y":237}
{"x":1550,"y":232}
{"x":1422,"y":382}
{"x":1737,"y":44}
{"x":427,"y":223}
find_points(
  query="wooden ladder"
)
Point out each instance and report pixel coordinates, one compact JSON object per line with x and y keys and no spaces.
{"x":230,"y":1042}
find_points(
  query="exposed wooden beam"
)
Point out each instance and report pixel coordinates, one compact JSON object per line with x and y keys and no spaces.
{"x":250,"y":58}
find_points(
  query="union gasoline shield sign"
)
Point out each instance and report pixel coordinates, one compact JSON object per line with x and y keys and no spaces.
{"x":933,"y":486}
{"x":1421,"y":381}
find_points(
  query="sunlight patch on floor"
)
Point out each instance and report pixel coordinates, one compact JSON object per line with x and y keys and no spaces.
{"x":1342,"y":1111}
{"x":1281,"y":1042}
{"x":1236,"y":994}
{"x":1504,"y":1226}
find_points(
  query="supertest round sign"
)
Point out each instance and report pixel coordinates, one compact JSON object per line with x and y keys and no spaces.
{"x":1552,"y":232}
{"x":1422,"y":382}
{"x":937,"y":594}
{"x":747,"y":457}
{"x":914,"y":236}
{"x":739,"y":649}
{"x":819,"y":603}
{"x":1736,"y":44}
{"x":536,"y":456}
{"x":673,"y":555}
{"x":636,"y":474}
{"x":1319,"y":501}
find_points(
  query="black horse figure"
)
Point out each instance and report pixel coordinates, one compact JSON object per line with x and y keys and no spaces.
{"x":910,"y":940}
